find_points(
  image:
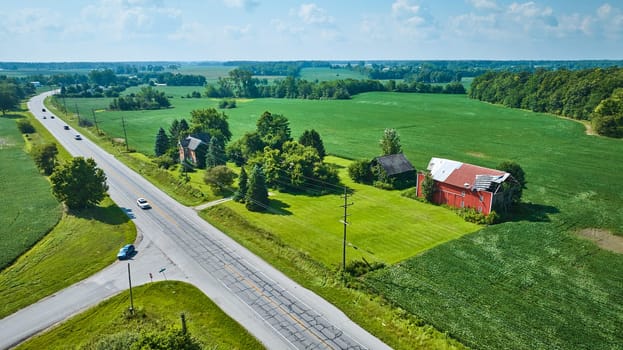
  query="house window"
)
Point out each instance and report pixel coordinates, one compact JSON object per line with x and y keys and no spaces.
{"x":481,"y":198}
{"x":480,"y":209}
{"x":463,"y":193}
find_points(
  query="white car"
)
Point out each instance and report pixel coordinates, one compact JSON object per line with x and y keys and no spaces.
{"x":77,"y":137}
{"x":143,"y":203}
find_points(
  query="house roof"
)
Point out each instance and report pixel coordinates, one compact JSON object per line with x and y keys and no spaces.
{"x":191,"y":143}
{"x":395,"y":164}
{"x":465,"y":175}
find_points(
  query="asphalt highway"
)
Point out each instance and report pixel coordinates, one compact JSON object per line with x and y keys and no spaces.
{"x":275,"y":309}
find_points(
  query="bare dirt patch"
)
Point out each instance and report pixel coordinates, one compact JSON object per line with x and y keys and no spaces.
{"x":476,"y":154}
{"x":604,"y":239}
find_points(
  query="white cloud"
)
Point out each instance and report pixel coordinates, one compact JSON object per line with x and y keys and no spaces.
{"x":31,"y":21}
{"x":404,"y":10}
{"x":610,"y":21}
{"x":242,"y":4}
{"x":236,"y":32}
{"x":312,"y":14}
{"x":484,"y":4}
{"x":126,"y":19}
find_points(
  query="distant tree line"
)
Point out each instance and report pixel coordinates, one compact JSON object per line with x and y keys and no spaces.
{"x":147,"y":98}
{"x":12,"y":91}
{"x":279,"y":68}
{"x":241,"y":83}
{"x":590,"y":94}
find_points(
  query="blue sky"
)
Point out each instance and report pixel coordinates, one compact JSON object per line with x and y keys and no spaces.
{"x":218,"y":30}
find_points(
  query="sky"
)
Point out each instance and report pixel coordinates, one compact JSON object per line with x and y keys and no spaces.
{"x":223,"y":30}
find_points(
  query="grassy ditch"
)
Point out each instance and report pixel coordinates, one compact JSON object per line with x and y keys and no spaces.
{"x":158,"y":307}
{"x":81,"y":244}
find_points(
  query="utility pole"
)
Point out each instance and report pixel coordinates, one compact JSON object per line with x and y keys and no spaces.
{"x":78,"y":114}
{"x":95,"y":121}
{"x":131,"y":298}
{"x":345,"y":222}
{"x":127,"y":149}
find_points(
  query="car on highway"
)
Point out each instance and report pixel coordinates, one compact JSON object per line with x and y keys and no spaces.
{"x":44,"y":117}
{"x":42,"y":109}
{"x":66,"y":127}
{"x":143,"y":203}
{"x":51,"y":117}
{"x":126,"y":252}
{"x":78,"y":137}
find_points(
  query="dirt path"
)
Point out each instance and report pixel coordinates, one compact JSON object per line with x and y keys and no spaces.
{"x":604,"y":239}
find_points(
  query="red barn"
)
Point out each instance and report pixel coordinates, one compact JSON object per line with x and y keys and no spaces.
{"x":462,"y":185}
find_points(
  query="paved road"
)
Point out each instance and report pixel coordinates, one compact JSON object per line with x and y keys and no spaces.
{"x":276,"y":310}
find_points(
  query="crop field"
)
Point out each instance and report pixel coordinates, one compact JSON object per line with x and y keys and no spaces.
{"x":29,"y":209}
{"x":523,"y":276}
{"x":514,"y":286}
{"x":327,"y":74}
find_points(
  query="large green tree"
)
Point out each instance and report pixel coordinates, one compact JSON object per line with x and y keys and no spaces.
{"x":79,"y":183}
{"x":390,"y":143}
{"x":9,"y":96}
{"x":513,"y":188}
{"x":210,"y":121}
{"x":45,"y":157}
{"x":312,"y":138}
{"x":257,"y":193}
{"x":162,"y":143}
{"x":274,"y":129}
{"x":219,"y":178}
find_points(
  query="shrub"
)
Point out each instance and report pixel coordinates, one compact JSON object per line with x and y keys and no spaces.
{"x":472,"y":215}
{"x":25,"y":127}
{"x":360,"y":171}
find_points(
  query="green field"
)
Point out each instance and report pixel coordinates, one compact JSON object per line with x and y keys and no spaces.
{"x":158,"y":306}
{"x":327,"y":74}
{"x":377,"y":231}
{"x":573,"y":183}
{"x":29,"y":209}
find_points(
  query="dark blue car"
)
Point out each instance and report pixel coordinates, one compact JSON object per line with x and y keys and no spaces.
{"x":126,"y":252}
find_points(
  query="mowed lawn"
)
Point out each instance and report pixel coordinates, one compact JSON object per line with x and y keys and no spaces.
{"x":383,"y":225}
{"x":158,"y":306}
{"x":29,"y":210}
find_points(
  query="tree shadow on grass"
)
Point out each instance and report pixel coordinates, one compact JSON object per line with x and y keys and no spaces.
{"x":12,"y":116}
{"x":532,"y":212}
{"x":277,"y":207}
{"x":111,"y":214}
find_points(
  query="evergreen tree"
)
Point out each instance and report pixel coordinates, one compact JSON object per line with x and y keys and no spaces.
{"x":312,"y":138}
{"x":257,"y":193}
{"x":162,"y":143}
{"x":243,"y":185}
{"x":390,"y":143}
{"x":216,"y":153}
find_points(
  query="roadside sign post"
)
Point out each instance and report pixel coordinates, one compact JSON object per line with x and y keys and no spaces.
{"x":162,"y":272}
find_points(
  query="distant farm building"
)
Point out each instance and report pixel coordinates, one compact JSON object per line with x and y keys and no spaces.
{"x":190,"y":149}
{"x":395,"y":169}
{"x":463,"y":185}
